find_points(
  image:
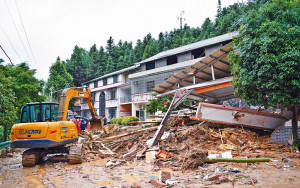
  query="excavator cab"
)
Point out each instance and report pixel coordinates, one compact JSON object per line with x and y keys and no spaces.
{"x":39,"y":112}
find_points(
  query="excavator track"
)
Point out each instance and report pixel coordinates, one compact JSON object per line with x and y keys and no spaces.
{"x":30,"y":157}
{"x":76,"y":153}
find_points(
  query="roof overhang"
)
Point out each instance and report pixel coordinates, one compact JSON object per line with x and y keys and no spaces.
{"x":209,"y":77}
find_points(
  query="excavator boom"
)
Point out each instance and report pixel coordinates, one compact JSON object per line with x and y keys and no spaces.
{"x":69,"y":93}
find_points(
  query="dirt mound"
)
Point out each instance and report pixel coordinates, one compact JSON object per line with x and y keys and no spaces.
{"x":195,"y":157}
{"x":190,"y":143}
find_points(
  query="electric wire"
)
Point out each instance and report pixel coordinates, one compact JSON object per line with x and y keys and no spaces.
{"x":10,"y":43}
{"x":25,"y":32}
{"x":6,"y":54}
{"x":17,"y":30}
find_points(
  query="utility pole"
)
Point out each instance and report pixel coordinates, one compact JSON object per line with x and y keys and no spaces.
{"x":181,"y":18}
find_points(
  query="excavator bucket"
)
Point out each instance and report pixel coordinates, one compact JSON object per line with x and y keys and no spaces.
{"x":97,"y":124}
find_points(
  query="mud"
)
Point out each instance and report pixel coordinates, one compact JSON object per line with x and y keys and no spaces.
{"x":138,"y":173}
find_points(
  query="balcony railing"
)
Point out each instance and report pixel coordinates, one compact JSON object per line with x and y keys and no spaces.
{"x":126,"y":99}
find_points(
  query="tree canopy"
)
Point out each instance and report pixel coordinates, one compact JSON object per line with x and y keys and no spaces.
{"x":7,"y":108}
{"x":25,"y":85}
{"x":266,"y":57}
{"x":18,"y":86}
{"x":58,"y":78}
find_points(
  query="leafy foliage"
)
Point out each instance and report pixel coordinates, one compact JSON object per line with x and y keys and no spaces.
{"x":129,"y":119}
{"x":18,"y":86}
{"x":117,"y":120}
{"x":25,"y":85}
{"x":7,"y":108}
{"x":59,"y":77}
{"x":266,"y":57}
{"x":158,"y":104}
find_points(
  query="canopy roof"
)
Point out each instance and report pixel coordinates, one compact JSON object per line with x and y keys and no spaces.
{"x":209,"y":72}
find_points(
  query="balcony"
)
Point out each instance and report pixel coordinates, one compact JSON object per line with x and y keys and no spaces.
{"x":126,"y":99}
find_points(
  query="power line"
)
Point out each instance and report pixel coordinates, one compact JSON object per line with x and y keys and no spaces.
{"x":17,"y":30}
{"x":6,"y":55}
{"x":10,"y":43}
{"x":25,"y":32}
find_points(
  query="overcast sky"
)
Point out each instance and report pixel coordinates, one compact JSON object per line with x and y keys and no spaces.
{"x":54,"y":27}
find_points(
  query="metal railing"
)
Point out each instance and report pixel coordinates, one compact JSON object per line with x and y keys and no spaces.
{"x":4,"y":144}
{"x":125,"y":99}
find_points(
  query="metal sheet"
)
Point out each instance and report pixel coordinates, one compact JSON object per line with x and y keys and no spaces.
{"x":238,"y":116}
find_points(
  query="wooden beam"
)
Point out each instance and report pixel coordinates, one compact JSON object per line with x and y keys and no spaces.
{"x":170,"y":82}
{"x":163,"y":87}
{"x":224,"y":62}
{"x":213,"y":87}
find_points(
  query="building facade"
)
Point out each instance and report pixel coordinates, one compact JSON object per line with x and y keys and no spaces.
{"x":111,"y":94}
{"x":127,"y":92}
{"x":156,"y":69}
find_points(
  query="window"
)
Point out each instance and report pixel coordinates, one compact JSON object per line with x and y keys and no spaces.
{"x":35,"y":113}
{"x":102,"y":104}
{"x":172,"y":60}
{"x":150,"y":85}
{"x":116,"y":79}
{"x":112,"y":94}
{"x":24,"y":118}
{"x":46,"y":112}
{"x":95,"y":84}
{"x":105,"y":82}
{"x":137,"y":83}
{"x":54,"y":112}
{"x":150,"y":65}
{"x":200,"y":52}
{"x":112,"y":112}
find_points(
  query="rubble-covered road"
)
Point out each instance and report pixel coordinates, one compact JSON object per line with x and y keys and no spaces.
{"x":138,"y":173}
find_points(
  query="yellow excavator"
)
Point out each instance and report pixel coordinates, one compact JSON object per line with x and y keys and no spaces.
{"x":44,"y":128}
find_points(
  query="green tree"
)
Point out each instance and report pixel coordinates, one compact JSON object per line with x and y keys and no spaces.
{"x":187,"y":36}
{"x":26,"y":86}
{"x":266,"y":58}
{"x":8,"y":109}
{"x":151,"y":50}
{"x":110,"y":46}
{"x":109,"y":66}
{"x":58,"y":78}
{"x":206,"y":29}
{"x":78,"y":64}
{"x":120,"y":64}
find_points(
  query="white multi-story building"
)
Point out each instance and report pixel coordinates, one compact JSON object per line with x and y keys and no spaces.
{"x":111,"y":94}
{"x":156,"y":69}
{"x":128,"y":91}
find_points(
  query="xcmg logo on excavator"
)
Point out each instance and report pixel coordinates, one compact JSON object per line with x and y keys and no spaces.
{"x":30,"y":131}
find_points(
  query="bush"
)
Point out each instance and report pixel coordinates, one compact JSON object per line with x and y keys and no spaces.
{"x":129,"y":119}
{"x":113,"y":120}
{"x":119,"y":120}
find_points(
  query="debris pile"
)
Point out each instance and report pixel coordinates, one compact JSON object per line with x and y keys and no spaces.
{"x":188,"y":149}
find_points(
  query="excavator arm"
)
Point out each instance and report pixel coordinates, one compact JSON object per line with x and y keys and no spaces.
{"x":69,"y":93}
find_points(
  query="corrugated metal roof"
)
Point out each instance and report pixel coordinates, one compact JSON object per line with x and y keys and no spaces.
{"x":201,"y":71}
{"x":182,"y":49}
{"x":114,"y":73}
